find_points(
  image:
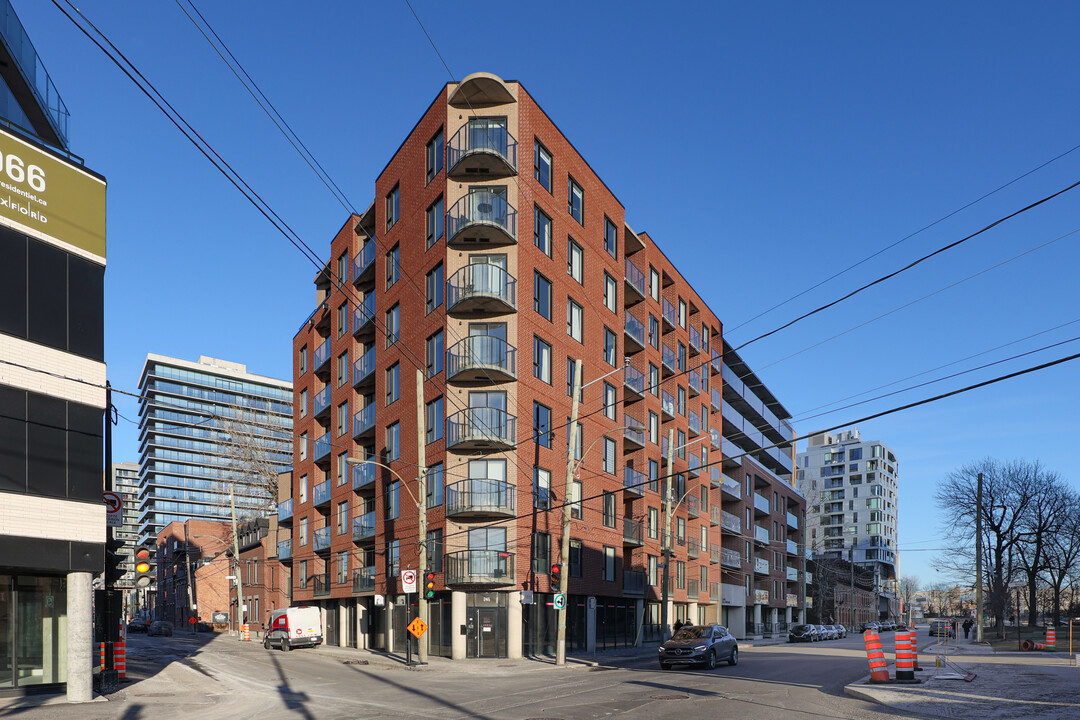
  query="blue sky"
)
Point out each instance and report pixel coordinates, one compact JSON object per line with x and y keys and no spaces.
{"x":764,"y":146}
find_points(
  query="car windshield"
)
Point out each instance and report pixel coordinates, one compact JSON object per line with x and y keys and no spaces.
{"x":691,"y":632}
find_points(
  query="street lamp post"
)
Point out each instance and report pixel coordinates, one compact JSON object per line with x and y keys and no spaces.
{"x":670,"y":506}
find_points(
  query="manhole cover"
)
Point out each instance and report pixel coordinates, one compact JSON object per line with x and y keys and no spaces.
{"x":670,"y":697}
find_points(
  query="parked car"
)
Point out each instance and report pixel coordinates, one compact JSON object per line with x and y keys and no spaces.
{"x":160,"y":627}
{"x":870,"y":626}
{"x":699,"y":645}
{"x":823,"y":633}
{"x":942,"y":627}
{"x":803,"y":633}
{"x":138,"y":625}
{"x":842,"y":630}
{"x":887,"y":625}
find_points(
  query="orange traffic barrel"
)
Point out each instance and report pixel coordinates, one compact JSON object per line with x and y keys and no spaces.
{"x":905,"y":663}
{"x":879,"y":669}
{"x":915,"y":648}
{"x":247,"y":631}
{"x":1051,"y":638}
{"x":120,"y":658}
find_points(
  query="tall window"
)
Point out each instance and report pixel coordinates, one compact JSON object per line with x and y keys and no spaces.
{"x":654,"y":331}
{"x":610,"y":401}
{"x":435,"y":354}
{"x":343,"y":368}
{"x":654,"y":428}
{"x":342,"y":319}
{"x":393,"y":265}
{"x":303,"y":403}
{"x":542,"y":424}
{"x":610,"y":292}
{"x":435,"y":481}
{"x":393,"y":207}
{"x":654,"y":283}
{"x":342,"y":517}
{"x":609,"y":455}
{"x":575,"y":499}
{"x":435,"y":286}
{"x":393,"y":499}
{"x":541,"y":553}
{"x":574,"y":320}
{"x":654,"y":475}
{"x":571,"y":365}
{"x":303,"y":446}
{"x":343,"y":268}
{"x":301,"y":582}
{"x":542,"y":231}
{"x":682,"y":313}
{"x":609,"y":509}
{"x":542,"y":165}
{"x":303,"y":530}
{"x":393,"y":325}
{"x":654,"y":380}
{"x":393,"y":558}
{"x":653,"y":523}
{"x":435,"y":214}
{"x":575,"y":260}
{"x":575,"y":201}
{"x":542,"y":295}
{"x":541,"y":488}
{"x":609,"y":564}
{"x":303,"y":360}
{"x":434,"y":415}
{"x":611,"y":237}
{"x":541,"y":360}
{"x":343,"y":418}
{"x":393,"y":442}
{"x":435,"y":155}
{"x":680,"y":357}
{"x":435,"y":549}
{"x":303,"y":488}
{"x":610,"y":346}
{"x":653,"y":567}
{"x":393,"y":383}
{"x":575,"y":569}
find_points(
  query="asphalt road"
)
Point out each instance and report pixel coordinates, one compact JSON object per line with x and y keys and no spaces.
{"x":181,"y":677}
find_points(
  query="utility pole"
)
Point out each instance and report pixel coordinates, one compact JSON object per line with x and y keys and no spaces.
{"x":978,"y":562}
{"x":665,"y":549}
{"x":564,"y":547}
{"x":190,"y":578}
{"x":851,"y":564}
{"x":421,"y":513}
{"x":110,"y":676}
{"x":239,"y":581}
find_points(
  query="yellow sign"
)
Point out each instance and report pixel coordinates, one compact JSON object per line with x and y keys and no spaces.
{"x":51,"y":196}
{"x":417,"y":627}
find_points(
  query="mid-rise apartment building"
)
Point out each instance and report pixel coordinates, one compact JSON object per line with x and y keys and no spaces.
{"x":126,"y":483}
{"x":206,"y":428}
{"x":52,"y":391}
{"x":441,"y":275}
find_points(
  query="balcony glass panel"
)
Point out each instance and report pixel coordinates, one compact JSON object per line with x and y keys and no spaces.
{"x":693,"y":381}
{"x":635,"y":331}
{"x":761,"y":504}
{"x":693,"y":548}
{"x":284,"y":549}
{"x":483,"y":426}
{"x":322,"y":355}
{"x":761,"y":597}
{"x":364,"y":313}
{"x":633,"y":582}
{"x":364,"y":259}
{"x":714,"y":515}
{"x":670,"y":314}
{"x":320,"y":494}
{"x":792,"y":574}
{"x":363,"y":579}
{"x":480,"y":567}
{"x":730,"y":558}
{"x":667,"y":404}
{"x":364,"y":475}
{"x":478,"y":496}
{"x":761,"y":566}
{"x":285,"y":510}
{"x":321,"y":401}
{"x":364,"y":368}
{"x":321,"y":448}
{"x":321,"y":585}
{"x":792,"y":547}
{"x":481,"y":212}
{"x":693,"y":506}
{"x":717,"y":362}
{"x":695,"y":340}
{"x":714,"y":438}
{"x":635,"y":278}
{"x":634,"y":380}
{"x":481,"y":355}
{"x":717,"y":400}
{"x":26,"y":58}
{"x":632,"y":435}
{"x":731,"y":523}
{"x":668,"y":359}
{"x":634,"y":481}
{"x":633,"y":532}
{"x":363,"y":421}
{"x":322,"y":539}
{"x":694,"y":465}
{"x":731,"y":488}
{"x":363,"y":527}
{"x":791,"y":600}
{"x":761,"y":534}
{"x":482,"y":137}
{"x":482,"y":282}
{"x":693,"y":423}
{"x":714,"y":553}
{"x":793,"y":521}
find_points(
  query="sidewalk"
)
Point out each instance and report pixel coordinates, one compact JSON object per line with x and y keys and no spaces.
{"x":1006,"y":686}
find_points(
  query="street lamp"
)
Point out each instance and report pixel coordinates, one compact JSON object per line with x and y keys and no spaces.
{"x":421,"y":531}
{"x":669,"y":511}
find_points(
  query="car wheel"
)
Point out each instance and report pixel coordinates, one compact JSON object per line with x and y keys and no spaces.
{"x":266,"y":643}
{"x":734,"y":657}
{"x":286,"y":645}
{"x":710,"y":660}
{"x":665,"y":666}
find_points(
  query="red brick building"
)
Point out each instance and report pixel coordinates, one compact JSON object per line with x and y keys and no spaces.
{"x":441,"y":273}
{"x":193,"y":548}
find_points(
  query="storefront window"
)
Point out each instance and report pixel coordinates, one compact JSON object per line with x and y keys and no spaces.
{"x":33,"y":630}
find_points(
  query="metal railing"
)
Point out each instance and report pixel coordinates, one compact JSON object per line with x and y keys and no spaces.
{"x":364,"y":475}
{"x":633,"y":531}
{"x":321,"y":539}
{"x":320,"y":494}
{"x":481,"y":352}
{"x":363,"y":420}
{"x":285,"y":510}
{"x":322,"y":355}
{"x":480,"y":495}
{"x":634,"y":380}
{"x":320,"y":449}
{"x":633,"y":582}
{"x":481,"y":425}
{"x":364,"y":259}
{"x":482,"y":137}
{"x":364,"y":313}
{"x":635,"y":278}
{"x":363,"y":579}
{"x":634,"y":481}
{"x":363,"y":527}
{"x":480,"y":567}
{"x":635,"y":329}
{"x":364,"y":367}
{"x":482,"y":207}
{"x":481,"y":281}
{"x":322,"y":585}
{"x":730,"y":558}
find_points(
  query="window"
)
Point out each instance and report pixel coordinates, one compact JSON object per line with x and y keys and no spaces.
{"x":609,"y":564}
{"x":575,"y":200}
{"x":435,"y":214}
{"x":575,"y":499}
{"x":303,"y":530}
{"x":542,"y":295}
{"x":611,"y":237}
{"x":542,"y":231}
{"x":393,"y":207}
{"x":343,"y":368}
{"x":610,"y":401}
{"x":302,"y":401}
{"x":682,"y":313}
{"x":575,"y":569}
{"x":435,"y":550}
{"x":575,"y":260}
{"x":653,"y":566}
{"x":681,"y":391}
{"x":541,"y":488}
{"x":303,"y":488}
{"x":343,"y":268}
{"x":435,"y":354}
{"x":393,"y":265}
{"x":680,"y":445}
{"x":681,"y":356}
{"x":303,"y":360}
{"x":393,"y":558}
{"x":579,"y":441}
{"x":393,"y":499}
{"x":302,"y":580}
{"x":653,"y":523}
{"x":654,"y":332}
{"x":541,"y":360}
{"x":393,"y":325}
{"x":434,"y":418}
{"x":609,"y":455}
{"x":342,"y":517}
{"x":542,"y":165}
{"x":654,"y":380}
{"x":654,"y":428}
{"x":435,"y":285}
{"x":574,"y":319}
{"x":609,"y":509}
{"x":342,"y":319}
{"x":680,"y":575}
{"x":303,"y":446}
{"x":343,"y":418}
{"x":434,"y":156}
{"x":435,"y":480}
{"x":571,"y":364}
{"x":654,"y":475}
{"x":393,"y":383}
{"x":654,"y":284}
{"x":542,"y":424}
{"x":610,"y":346}
{"x":541,"y":553}
{"x":393,"y":442}
{"x":680,"y":531}
{"x":610,"y":292}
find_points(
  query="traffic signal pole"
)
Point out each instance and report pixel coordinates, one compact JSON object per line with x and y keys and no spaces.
{"x":110,"y":678}
{"x":564,"y":548}
{"x":421,"y":515}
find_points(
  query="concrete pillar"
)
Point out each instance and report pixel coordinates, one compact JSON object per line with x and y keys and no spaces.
{"x":691,"y":613}
{"x":590,"y":624}
{"x":80,"y":637}
{"x":457,"y":621}
{"x":639,"y":613}
{"x":787,"y":615}
{"x":757,"y":619}
{"x":362,"y":640}
{"x":344,"y":631}
{"x":388,"y":622}
{"x":513,"y":625}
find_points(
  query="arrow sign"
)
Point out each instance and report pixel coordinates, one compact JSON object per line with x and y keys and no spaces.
{"x":417,"y":627}
{"x":559,"y":601}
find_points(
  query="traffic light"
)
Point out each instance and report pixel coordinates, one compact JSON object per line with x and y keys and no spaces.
{"x":114,"y":561}
{"x":429,"y":585}
{"x":144,"y":570}
{"x":556,"y":576}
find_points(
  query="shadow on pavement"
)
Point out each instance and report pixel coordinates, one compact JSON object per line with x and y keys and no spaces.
{"x":412,"y":689}
{"x":293,"y":699}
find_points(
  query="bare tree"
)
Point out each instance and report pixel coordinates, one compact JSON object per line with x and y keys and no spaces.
{"x":1049,"y":500}
{"x":909,"y":586}
{"x":252,"y":440}
{"x":1062,"y":553}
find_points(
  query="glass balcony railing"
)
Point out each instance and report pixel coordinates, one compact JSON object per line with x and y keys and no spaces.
{"x":693,"y":505}
{"x":364,"y":260}
{"x":364,"y":475}
{"x":635,"y":280}
{"x":731,"y":488}
{"x":695,"y":340}
{"x":634,"y":435}
{"x":761,"y":534}
{"x":482,"y":148}
{"x":761,"y":597}
{"x":717,"y":400}
{"x":714,"y":554}
{"x":717,"y":362}
{"x":761,"y":566}
{"x":714,"y":438}
{"x":480,"y":358}
{"x":730,"y":558}
{"x":667,"y":404}
{"x":363,"y":527}
{"x":364,"y":314}
{"x":481,"y":288}
{"x":693,"y":423}
{"x":793,"y":521}
{"x":484,"y":216}
{"x":634,"y":481}
{"x":364,"y":368}
{"x":761,"y":504}
{"x":693,"y":465}
{"x":480,"y":567}
{"x":792,"y":574}
{"x":635,"y":333}
{"x":285,"y":511}
{"x":321,"y":539}
{"x":714,"y":515}
{"x":792,"y":547}
{"x":668,"y":360}
{"x":634,"y":381}
{"x":284,"y":549}
{"x":670,"y":315}
{"x":633,"y":582}
{"x":363,"y":421}
{"x":693,"y":549}
{"x":321,"y":401}
{"x":320,"y":449}
{"x":322,"y":355}
{"x":479,"y":498}
{"x":693,"y":381}
{"x":320,"y":494}
{"x":481,"y":428}
{"x":730,"y":523}
{"x":321,"y":585}
{"x":33,"y":71}
{"x":363,"y":579}
{"x":633,"y":532}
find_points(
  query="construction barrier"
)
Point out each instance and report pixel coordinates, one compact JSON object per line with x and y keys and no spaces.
{"x":879,"y":669}
{"x":120,"y":658}
{"x":1051,"y":638}
{"x":905,"y":664}
{"x":246,"y":628}
{"x":1028,"y":645}
{"x":915,"y":648}
{"x":101,"y":655}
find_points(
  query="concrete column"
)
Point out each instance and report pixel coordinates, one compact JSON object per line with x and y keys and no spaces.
{"x":757,"y":619}
{"x":639,"y":613}
{"x":362,"y":640}
{"x":787,"y":615}
{"x":388,"y":622}
{"x":774,"y":617}
{"x":513,"y":625}
{"x":80,"y":639}
{"x":590,"y":624}
{"x":691,"y":613}
{"x":457,"y":621}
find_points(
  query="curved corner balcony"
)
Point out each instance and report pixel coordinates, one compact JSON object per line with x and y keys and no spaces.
{"x":481,"y":290}
{"x":481,"y":89}
{"x":480,"y":567}
{"x":481,"y":149}
{"x":480,"y":499}
{"x":481,"y":359}
{"x":481,"y":428}
{"x":482,"y":217}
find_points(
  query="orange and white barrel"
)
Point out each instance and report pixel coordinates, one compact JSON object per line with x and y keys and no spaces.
{"x":879,"y":669}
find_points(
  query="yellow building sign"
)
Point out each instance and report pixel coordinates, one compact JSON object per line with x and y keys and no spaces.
{"x":48,"y":195}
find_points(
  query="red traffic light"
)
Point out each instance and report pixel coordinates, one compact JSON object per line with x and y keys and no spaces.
{"x":556,"y":570}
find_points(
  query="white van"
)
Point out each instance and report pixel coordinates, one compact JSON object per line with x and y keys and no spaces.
{"x":294,"y":627}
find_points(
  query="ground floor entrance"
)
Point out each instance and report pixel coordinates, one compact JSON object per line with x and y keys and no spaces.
{"x":33,"y":631}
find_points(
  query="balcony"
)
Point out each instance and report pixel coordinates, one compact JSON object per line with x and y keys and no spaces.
{"x":634,"y":482}
{"x":480,"y":568}
{"x":667,"y":405}
{"x":481,"y":150}
{"x":761,"y":566}
{"x":363,"y":476}
{"x":364,"y":261}
{"x":668,"y":361}
{"x":481,"y":359}
{"x":808,"y":577}
{"x":363,"y":370}
{"x":363,"y":527}
{"x":284,"y":549}
{"x":321,"y":585}
{"x":633,"y":582}
{"x":692,"y":590}
{"x":321,"y":539}
{"x":634,"y":330}
{"x":714,"y":441}
{"x":320,"y":449}
{"x":717,"y":400}
{"x":730,"y":558}
{"x":695,"y":341}
{"x":761,"y":535}
{"x":714,"y":515}
{"x":693,"y":549}
{"x":364,"y":315}
{"x":730,"y":488}
{"x":791,"y":600}
{"x":363,"y":422}
{"x":481,"y":219}
{"x":633,"y":534}
{"x":693,"y":423}
{"x":481,"y":289}
{"x":693,"y":505}
{"x":636,"y":284}
{"x":481,"y":428}
{"x":669,"y":316}
{"x":717,"y":362}
{"x":792,"y":547}
{"x":633,"y":438}
{"x":730,"y":523}
{"x":634,"y":382}
{"x":363,"y":579}
{"x":320,"y":494}
{"x":693,"y":381}
{"x":714,"y":553}
{"x":321,"y":403}
{"x":732,"y":594}
{"x":761,"y":597}
{"x":480,"y":499}
{"x":33,"y":86}
{"x":793,"y":574}
{"x":761,"y":505}
{"x":285,"y":512}
{"x":322,"y":357}
{"x":792,"y":521}
{"x":693,"y":465}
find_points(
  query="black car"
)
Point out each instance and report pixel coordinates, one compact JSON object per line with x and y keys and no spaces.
{"x":160,"y":627}
{"x":803,"y":633}
{"x":699,"y":645}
